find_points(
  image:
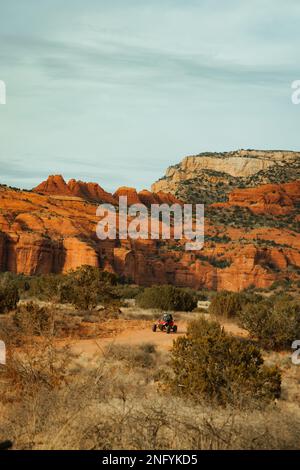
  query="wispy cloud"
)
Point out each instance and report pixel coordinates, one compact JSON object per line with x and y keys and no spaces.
{"x":125,"y":88}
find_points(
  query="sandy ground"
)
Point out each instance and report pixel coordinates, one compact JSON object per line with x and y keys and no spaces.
{"x":138,"y":332}
{"x":133,"y":336}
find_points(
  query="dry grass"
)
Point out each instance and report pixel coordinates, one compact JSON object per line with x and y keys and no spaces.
{"x":49,"y":401}
{"x":53,"y":399}
{"x":137,"y":313}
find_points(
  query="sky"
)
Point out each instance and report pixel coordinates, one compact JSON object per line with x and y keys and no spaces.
{"x":116,"y":91}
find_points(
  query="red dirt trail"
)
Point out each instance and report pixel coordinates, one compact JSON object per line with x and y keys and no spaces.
{"x":138,"y":335}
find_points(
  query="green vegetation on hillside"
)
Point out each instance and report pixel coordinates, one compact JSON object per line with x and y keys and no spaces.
{"x":210,"y":365}
{"x":167,"y":298}
{"x":84,"y":287}
{"x":275,"y":322}
{"x":213,"y":186}
{"x":242,"y":217}
{"x":9,"y":295}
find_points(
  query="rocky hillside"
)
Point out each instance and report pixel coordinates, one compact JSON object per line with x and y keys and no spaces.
{"x":251,"y":239}
{"x":55,"y":185}
{"x":210,"y":177}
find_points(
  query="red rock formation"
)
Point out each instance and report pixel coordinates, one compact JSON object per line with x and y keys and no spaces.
{"x":90,"y":191}
{"x":148,"y":198}
{"x":40,"y":234}
{"x":3,"y":239}
{"x":275,"y":199}
{"x":79,"y":252}
{"x":248,"y":268}
{"x":132,"y":195}
{"x":55,"y":184}
{"x":30,"y":253}
{"x":124,"y":262}
{"x":167,"y":198}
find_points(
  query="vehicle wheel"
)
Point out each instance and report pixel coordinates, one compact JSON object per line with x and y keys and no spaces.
{"x":168,"y":329}
{"x":160,"y":327}
{"x":154,"y":328}
{"x":175,"y":329}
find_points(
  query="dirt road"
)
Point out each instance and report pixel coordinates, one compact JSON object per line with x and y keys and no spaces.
{"x":138,"y":333}
{"x":135,"y":336}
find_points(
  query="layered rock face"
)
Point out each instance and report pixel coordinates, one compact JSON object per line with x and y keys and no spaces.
{"x":56,"y":185}
{"x":53,"y":233}
{"x":130,"y":193}
{"x":272,"y":199}
{"x":90,"y":191}
{"x":210,"y":176}
{"x":242,"y":163}
{"x":145,"y":197}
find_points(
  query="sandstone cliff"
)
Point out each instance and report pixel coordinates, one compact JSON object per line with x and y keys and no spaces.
{"x":209,"y":177}
{"x":45,"y":233}
{"x":275,"y":199}
{"x":56,"y":185}
{"x":90,"y":191}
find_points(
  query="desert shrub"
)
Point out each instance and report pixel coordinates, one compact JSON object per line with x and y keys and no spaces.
{"x":18,"y":280}
{"x":127,"y":291}
{"x":44,"y":287}
{"x":50,"y":400}
{"x":217,"y":263}
{"x":209,"y":364}
{"x":9,"y":296}
{"x":31,"y":319}
{"x":197,"y":294}
{"x":225,"y":304}
{"x":275,"y":323}
{"x":86,"y":287}
{"x":167,"y":298}
{"x":134,"y":356}
{"x":229,"y":304}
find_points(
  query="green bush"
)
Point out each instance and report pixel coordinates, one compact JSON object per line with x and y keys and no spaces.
{"x":225,"y":304}
{"x":44,"y":287}
{"x":274,"y":322}
{"x":86,"y":287}
{"x":209,"y":364}
{"x":127,"y":291}
{"x":9,"y":296}
{"x":230,"y":304}
{"x":197,"y":294}
{"x":142,"y":355}
{"x":167,"y":298}
{"x":31,"y":319}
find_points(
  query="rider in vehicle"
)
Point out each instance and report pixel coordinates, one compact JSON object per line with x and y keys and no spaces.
{"x":167,"y":317}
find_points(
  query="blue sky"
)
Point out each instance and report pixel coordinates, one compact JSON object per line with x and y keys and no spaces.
{"x":116,"y":91}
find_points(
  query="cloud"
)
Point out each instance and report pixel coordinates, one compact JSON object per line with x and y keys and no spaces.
{"x":125,"y":88}
{"x":115,"y":61}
